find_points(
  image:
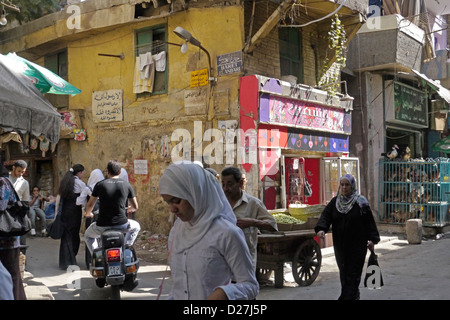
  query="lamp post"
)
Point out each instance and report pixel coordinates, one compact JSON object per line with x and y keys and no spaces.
{"x":187,"y":37}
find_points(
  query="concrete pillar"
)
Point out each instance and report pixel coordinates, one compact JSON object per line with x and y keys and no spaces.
{"x":414,"y":231}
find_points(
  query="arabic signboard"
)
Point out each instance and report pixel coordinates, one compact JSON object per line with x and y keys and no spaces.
{"x":199,"y":78}
{"x":107,"y":105}
{"x":229,"y":63}
{"x":301,"y":114}
{"x":406,"y":105}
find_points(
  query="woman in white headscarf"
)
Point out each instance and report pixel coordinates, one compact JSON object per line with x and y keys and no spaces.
{"x":206,"y":247}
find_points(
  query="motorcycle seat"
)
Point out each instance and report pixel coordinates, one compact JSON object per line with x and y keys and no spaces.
{"x":112,"y":238}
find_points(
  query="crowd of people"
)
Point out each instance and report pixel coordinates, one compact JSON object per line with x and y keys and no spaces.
{"x":73,"y":195}
{"x":213,"y":240}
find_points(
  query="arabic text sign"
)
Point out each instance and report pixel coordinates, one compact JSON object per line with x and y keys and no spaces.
{"x":229,"y":63}
{"x":199,"y":78}
{"x":303,"y":114}
{"x":107,"y":105}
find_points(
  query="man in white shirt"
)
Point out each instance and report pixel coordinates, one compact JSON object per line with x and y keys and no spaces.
{"x":250,"y":212}
{"x":22,"y":188}
{"x":20,"y":184}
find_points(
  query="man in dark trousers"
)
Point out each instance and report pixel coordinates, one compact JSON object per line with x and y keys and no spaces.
{"x":113,"y":194}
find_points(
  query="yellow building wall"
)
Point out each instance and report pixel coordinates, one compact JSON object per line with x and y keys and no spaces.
{"x":149,"y":122}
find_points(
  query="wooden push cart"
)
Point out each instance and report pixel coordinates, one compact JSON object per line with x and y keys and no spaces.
{"x":298,"y":247}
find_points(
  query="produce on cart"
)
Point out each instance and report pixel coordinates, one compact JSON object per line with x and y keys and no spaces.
{"x":294,"y":242}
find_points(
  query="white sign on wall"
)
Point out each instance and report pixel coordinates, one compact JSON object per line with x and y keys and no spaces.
{"x":107,"y":105}
{"x":140,"y":167}
{"x":195,"y":100}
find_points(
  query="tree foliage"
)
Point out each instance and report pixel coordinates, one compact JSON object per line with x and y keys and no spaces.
{"x":32,"y":9}
{"x":337,"y":42}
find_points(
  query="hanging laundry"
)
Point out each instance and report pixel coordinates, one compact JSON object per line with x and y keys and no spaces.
{"x":140,"y":82}
{"x":145,"y":61}
{"x":160,"y":61}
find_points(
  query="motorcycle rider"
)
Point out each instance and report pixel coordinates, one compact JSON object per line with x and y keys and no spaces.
{"x":113,"y":194}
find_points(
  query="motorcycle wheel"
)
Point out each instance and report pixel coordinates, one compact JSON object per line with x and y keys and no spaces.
{"x":115,"y":292}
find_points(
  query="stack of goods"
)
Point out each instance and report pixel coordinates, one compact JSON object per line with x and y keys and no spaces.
{"x":287,"y":222}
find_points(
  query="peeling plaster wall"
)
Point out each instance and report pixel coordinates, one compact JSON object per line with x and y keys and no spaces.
{"x":145,"y":133}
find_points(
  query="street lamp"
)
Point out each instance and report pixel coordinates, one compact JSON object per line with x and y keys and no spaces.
{"x":187,"y":37}
{"x":3,"y":20}
{"x":6,"y":3}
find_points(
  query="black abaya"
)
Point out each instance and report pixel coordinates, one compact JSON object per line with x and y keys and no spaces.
{"x":70,"y":240}
{"x":351,"y":231}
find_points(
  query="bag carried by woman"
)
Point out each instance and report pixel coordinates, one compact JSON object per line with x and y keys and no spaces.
{"x":14,"y":220}
{"x":56,"y":228}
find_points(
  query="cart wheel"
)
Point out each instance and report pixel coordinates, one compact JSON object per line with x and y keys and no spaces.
{"x":306,"y":262}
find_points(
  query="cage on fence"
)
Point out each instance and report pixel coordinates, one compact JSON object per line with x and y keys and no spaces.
{"x":414,"y":189}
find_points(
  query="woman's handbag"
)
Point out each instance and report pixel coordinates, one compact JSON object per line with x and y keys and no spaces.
{"x":56,"y":229}
{"x":14,"y":221}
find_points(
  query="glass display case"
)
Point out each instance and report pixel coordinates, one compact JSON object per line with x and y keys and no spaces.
{"x":333,"y":168}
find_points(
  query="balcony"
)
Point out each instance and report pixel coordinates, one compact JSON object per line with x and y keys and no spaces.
{"x":391,"y":42}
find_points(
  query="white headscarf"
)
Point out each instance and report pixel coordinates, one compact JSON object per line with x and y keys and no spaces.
{"x":123,"y":174}
{"x":96,"y":176}
{"x":188,"y":181}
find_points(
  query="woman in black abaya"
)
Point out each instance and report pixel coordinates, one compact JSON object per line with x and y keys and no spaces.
{"x":70,"y":188}
{"x":354,"y":230}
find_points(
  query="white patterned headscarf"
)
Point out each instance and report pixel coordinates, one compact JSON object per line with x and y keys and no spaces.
{"x":345,"y":203}
{"x":188,"y":181}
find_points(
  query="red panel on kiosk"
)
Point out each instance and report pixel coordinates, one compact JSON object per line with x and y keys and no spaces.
{"x":248,"y":107}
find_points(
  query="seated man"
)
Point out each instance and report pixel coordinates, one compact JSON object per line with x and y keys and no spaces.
{"x":36,"y":205}
{"x":113,"y":194}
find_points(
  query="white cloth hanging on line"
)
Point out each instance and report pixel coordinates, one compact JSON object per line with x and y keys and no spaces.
{"x":145,"y":60}
{"x":160,"y":61}
{"x":143,"y":76}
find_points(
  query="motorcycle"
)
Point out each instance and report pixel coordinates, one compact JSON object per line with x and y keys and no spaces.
{"x":114,"y":263}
